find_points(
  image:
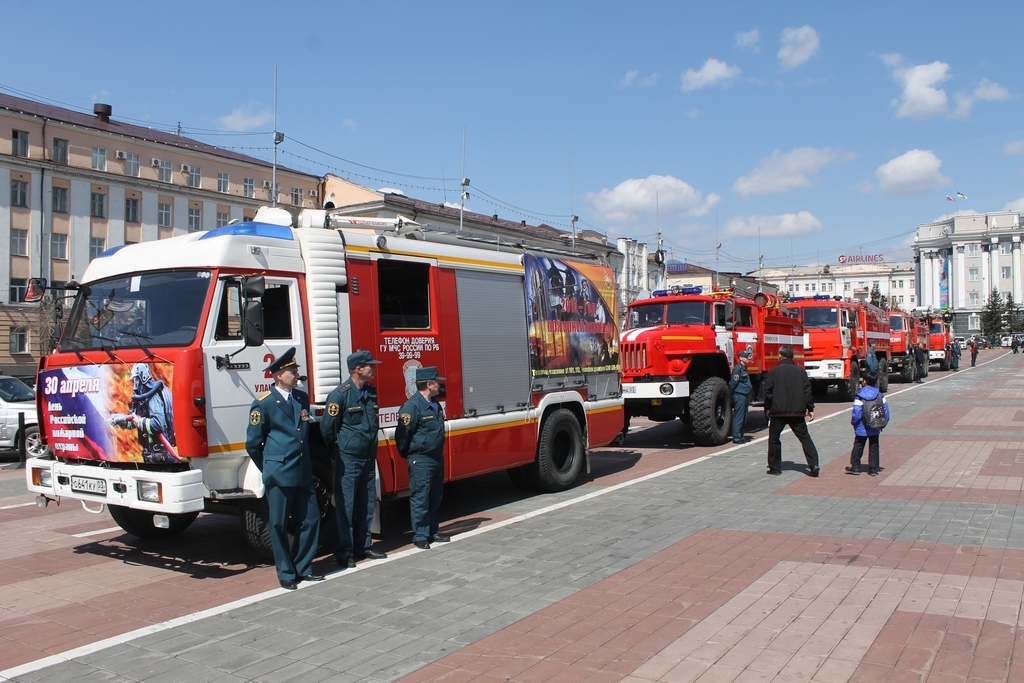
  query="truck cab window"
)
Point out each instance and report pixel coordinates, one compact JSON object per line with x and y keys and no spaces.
{"x":404,"y":295}
{"x":229,"y":320}
{"x":277,"y":316}
{"x":744,"y":316}
{"x":720,"y":315}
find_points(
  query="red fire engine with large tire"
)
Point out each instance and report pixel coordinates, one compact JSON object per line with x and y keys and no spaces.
{"x":902,"y":340}
{"x":836,"y":336}
{"x":939,"y":338}
{"x":679,"y":346}
{"x":145,"y":402}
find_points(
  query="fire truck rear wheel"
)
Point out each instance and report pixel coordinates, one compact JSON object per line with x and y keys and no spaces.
{"x":560,"y":452}
{"x":907,"y":374}
{"x":711,"y":412}
{"x":883,"y":375}
{"x":848,"y":388}
{"x":139,"y":523}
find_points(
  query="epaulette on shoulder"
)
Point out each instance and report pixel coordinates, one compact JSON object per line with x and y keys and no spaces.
{"x":263,"y":396}
{"x":344,"y":386}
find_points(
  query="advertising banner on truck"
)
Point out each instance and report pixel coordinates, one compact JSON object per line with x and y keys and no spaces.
{"x":116,"y":412}
{"x":573,"y":323}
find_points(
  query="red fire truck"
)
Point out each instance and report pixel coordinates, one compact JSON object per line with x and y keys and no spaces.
{"x":938,"y":341}
{"x":145,"y":402}
{"x":836,"y":336}
{"x":679,"y":346}
{"x":902,"y":339}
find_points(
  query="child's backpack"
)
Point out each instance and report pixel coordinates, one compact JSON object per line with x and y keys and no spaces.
{"x":874,"y":412}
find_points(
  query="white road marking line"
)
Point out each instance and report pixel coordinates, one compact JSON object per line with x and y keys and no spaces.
{"x":19,"y":505}
{"x":97,"y":532}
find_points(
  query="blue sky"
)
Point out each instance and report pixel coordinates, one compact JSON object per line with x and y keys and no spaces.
{"x":825,"y":128}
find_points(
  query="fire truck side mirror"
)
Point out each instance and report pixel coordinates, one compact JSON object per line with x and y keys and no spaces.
{"x":252,"y":322}
{"x":36,"y":290}
{"x":253,"y":287}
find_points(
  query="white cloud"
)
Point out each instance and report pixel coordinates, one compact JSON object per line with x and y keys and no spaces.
{"x":914,"y":172}
{"x":638,"y":197}
{"x":247,"y":117}
{"x":1014,"y":147}
{"x":798,"y":45}
{"x":692,"y":113}
{"x":987,"y":91}
{"x":631,"y":77}
{"x":782,"y":172}
{"x":920,"y":97}
{"x":650,"y":80}
{"x":749,"y":40}
{"x":712,"y":73}
{"x":628,"y":79}
{"x":1015,"y":205}
{"x":785,"y":225}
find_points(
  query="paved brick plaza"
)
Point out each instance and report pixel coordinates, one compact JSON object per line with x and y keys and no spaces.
{"x":709,"y":572}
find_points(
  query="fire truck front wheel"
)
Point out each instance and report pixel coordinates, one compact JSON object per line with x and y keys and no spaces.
{"x":139,"y":523}
{"x":883,"y":375}
{"x":848,"y":388}
{"x":560,"y":452}
{"x":711,"y":412}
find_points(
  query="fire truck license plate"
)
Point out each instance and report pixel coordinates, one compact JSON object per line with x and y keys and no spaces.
{"x":87,"y":485}
{"x":627,"y":389}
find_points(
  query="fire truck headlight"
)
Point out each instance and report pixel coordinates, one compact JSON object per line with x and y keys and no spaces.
{"x":835,"y":366}
{"x":665,"y":389}
{"x":150,"y":491}
{"x":42,"y":477}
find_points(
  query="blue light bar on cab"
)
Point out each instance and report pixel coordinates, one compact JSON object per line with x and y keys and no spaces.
{"x":816,"y":297}
{"x":280,"y":232}
{"x":676,"y":290}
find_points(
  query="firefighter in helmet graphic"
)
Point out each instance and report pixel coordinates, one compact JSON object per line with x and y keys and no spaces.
{"x":151,"y":415}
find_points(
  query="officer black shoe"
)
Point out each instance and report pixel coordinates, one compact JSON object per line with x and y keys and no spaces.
{"x":372,"y":555}
{"x":289,"y":584}
{"x":850,"y":469}
{"x":440,"y":538}
{"x":312,"y":577}
{"x":774,"y":473}
{"x":815,"y":471}
{"x":345,"y":562}
{"x":422,"y":545}
{"x":873,"y":471}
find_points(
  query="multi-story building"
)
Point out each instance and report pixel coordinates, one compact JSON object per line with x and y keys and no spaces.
{"x":81,"y":184}
{"x":850,"y":279}
{"x":963,"y":258}
{"x":681,"y":274}
{"x":641,"y":272}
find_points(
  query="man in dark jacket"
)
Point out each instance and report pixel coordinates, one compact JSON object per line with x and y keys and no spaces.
{"x":921,"y":360}
{"x":788,"y":401}
{"x":419,"y":437}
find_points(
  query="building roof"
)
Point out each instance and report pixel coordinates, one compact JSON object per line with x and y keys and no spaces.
{"x":113,"y":127}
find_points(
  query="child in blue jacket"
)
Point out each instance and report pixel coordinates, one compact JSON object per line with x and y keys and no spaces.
{"x":863,"y":433}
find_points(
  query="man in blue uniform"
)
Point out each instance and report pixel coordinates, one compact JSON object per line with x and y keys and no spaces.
{"x":740,"y":387}
{"x":349,"y":427}
{"x":278,"y":443}
{"x":420,"y":440}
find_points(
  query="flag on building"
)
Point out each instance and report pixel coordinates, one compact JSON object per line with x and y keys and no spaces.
{"x":961,"y":195}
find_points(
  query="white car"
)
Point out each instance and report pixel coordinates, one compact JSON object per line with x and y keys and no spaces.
{"x":960,"y":341}
{"x":1006,"y":341}
{"x":16,"y":397}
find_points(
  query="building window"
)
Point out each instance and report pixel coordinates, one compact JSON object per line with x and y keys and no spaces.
{"x":98,"y":205}
{"x":99,"y":159}
{"x":223,"y":184}
{"x":911,"y":298}
{"x":59,"y":246}
{"x":19,"y":286}
{"x":19,"y":242}
{"x":901,"y":298}
{"x":972,"y":274}
{"x":163,"y":215}
{"x":223,"y":219}
{"x":19,"y":143}
{"x":1005,"y":248}
{"x":846,"y":286}
{"x":131,"y":210}
{"x":97,"y":245}
{"x":195,"y":220}
{"x":796,"y":287}
{"x":60,"y":200}
{"x":296,"y":196}
{"x":163,"y":171}
{"x":1006,"y":272}
{"x":131,"y":165}
{"x":60,"y":151}
{"x":901,"y":284}
{"x":972,"y":249}
{"x":249,"y":187}
{"x":19,"y":193}
{"x":974,"y":321}
{"x":973,"y":299}
{"x":19,"y":340}
{"x":195,"y":176}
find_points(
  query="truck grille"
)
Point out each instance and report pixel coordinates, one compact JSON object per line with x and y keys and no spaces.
{"x":634,"y":357}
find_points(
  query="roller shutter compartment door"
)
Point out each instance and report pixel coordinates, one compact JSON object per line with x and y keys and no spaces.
{"x":495,"y":353}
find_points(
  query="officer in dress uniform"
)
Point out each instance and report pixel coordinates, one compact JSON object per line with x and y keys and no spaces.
{"x":277,"y":441}
{"x":420,"y":440}
{"x":740,"y":388}
{"x":350,"y":428}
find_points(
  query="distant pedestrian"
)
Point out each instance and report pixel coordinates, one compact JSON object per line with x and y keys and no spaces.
{"x":974,"y":352}
{"x":921,"y":360}
{"x":788,"y":401}
{"x":954,"y":356}
{"x":1014,"y":344}
{"x":868,"y":407}
{"x":741,"y":388}
{"x":871,"y":358}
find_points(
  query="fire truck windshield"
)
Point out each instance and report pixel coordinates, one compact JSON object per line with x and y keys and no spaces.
{"x":896,"y":323}
{"x":689,"y":313}
{"x":645,"y":315}
{"x":820,"y":317}
{"x":937,"y":328}
{"x":140,"y":311}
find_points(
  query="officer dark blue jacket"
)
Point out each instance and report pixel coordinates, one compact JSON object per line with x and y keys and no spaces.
{"x":277,"y":439}
{"x":420,"y":429}
{"x":739,"y":381}
{"x":349,"y":424}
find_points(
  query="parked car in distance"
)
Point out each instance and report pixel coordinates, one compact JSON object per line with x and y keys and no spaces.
{"x":16,"y":397}
{"x":1006,"y":341}
{"x":960,"y":341}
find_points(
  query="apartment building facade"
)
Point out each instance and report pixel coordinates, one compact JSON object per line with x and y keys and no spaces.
{"x":81,"y":184}
{"x":895,"y":280}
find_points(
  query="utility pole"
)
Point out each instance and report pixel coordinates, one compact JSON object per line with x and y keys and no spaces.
{"x":278,"y":139}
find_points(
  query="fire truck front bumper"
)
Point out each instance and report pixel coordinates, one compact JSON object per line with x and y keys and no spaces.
{"x":824,"y":369}
{"x":161,"y":492}
{"x":655,"y":390}
{"x":936,"y":355}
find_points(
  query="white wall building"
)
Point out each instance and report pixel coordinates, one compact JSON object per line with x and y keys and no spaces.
{"x":894,"y":280}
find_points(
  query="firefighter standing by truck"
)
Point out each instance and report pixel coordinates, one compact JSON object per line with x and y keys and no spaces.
{"x":740,"y":387}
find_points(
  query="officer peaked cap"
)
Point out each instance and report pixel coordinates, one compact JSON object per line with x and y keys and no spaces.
{"x":285,"y":360}
{"x":746,"y":353}
{"x":359,"y":359}
{"x":426,"y":374}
